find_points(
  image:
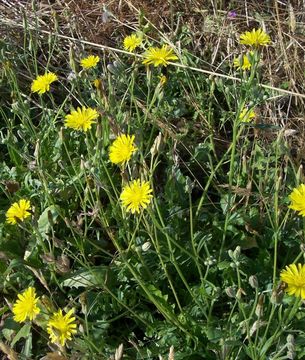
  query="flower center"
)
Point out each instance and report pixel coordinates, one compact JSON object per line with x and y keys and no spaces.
{"x":29,"y":306}
{"x":61,"y":326}
{"x":299,"y":281}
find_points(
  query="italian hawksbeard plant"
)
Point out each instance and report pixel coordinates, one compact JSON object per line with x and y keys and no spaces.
{"x":159,"y":56}
{"x":61,"y":327}
{"x":294,"y":277}
{"x":42,"y":83}
{"x":26,"y":306}
{"x":297,"y":198}
{"x":255,"y":38}
{"x":81,"y":119}
{"x":243,"y":62}
{"x":131,"y":42}
{"x":18,"y":211}
{"x":90,"y":62}
{"x":246,"y":115}
{"x":136,"y":196}
{"x":294,"y":274}
{"x":122,"y":149}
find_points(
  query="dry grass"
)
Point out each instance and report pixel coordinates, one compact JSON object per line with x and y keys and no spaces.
{"x":204,"y":25}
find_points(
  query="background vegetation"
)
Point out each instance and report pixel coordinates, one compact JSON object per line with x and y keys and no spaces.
{"x":198,"y":271}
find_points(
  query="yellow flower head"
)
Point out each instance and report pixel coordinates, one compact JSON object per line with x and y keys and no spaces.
{"x":244,"y":62}
{"x":81,"y":119}
{"x":26,"y":306}
{"x":42,"y":83}
{"x":247,"y":115}
{"x":136,"y":195}
{"x":97,"y":83}
{"x":121,"y":149}
{"x":159,"y":56}
{"x":297,"y":198}
{"x":131,"y":42}
{"x":19,"y":210}
{"x":294,"y":277}
{"x":255,"y":38}
{"x":61,"y":327}
{"x":90,"y":62}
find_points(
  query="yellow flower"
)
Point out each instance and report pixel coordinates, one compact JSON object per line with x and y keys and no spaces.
{"x":294,"y":277}
{"x":61,"y":327}
{"x":131,"y":42}
{"x":26,"y":306}
{"x":42,"y":83}
{"x":159,"y":56}
{"x":247,"y":115}
{"x":81,"y":119}
{"x":89,"y":62}
{"x":297,"y":198}
{"x":121,"y":149}
{"x":255,"y":38}
{"x":243,"y":63}
{"x":97,"y":83}
{"x":19,"y":210}
{"x":162,"y":80}
{"x":136,"y":195}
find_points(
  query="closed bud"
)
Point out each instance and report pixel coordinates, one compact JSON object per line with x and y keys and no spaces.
{"x":237,"y":252}
{"x":156,"y":145}
{"x":146,"y":246}
{"x":256,"y":326}
{"x":119,"y":352}
{"x":253,"y":281}
{"x":98,"y":131}
{"x":240,"y":293}
{"x":62,"y":264}
{"x":171,"y":355}
{"x":82,"y":164}
{"x":72,"y":59}
{"x":290,"y":343}
{"x":37,"y":148}
{"x":61,"y":134}
{"x":290,"y":339}
{"x":230,"y":291}
{"x":260,"y":306}
{"x":276,"y":297}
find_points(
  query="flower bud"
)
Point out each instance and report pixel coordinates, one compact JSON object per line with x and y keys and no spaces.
{"x":290,"y":342}
{"x":260,"y":306}
{"x":230,"y":291}
{"x":277,"y":297}
{"x":146,"y":246}
{"x":253,"y":281}
{"x":239,"y":293}
{"x":236,"y":252}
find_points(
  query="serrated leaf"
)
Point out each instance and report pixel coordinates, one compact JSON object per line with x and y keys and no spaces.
{"x":223,"y":265}
{"x":86,"y":278}
{"x":24,"y":332}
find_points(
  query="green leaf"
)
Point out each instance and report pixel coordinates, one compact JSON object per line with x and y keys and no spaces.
{"x":86,"y":278}
{"x":24,"y":332}
{"x":49,"y":214}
